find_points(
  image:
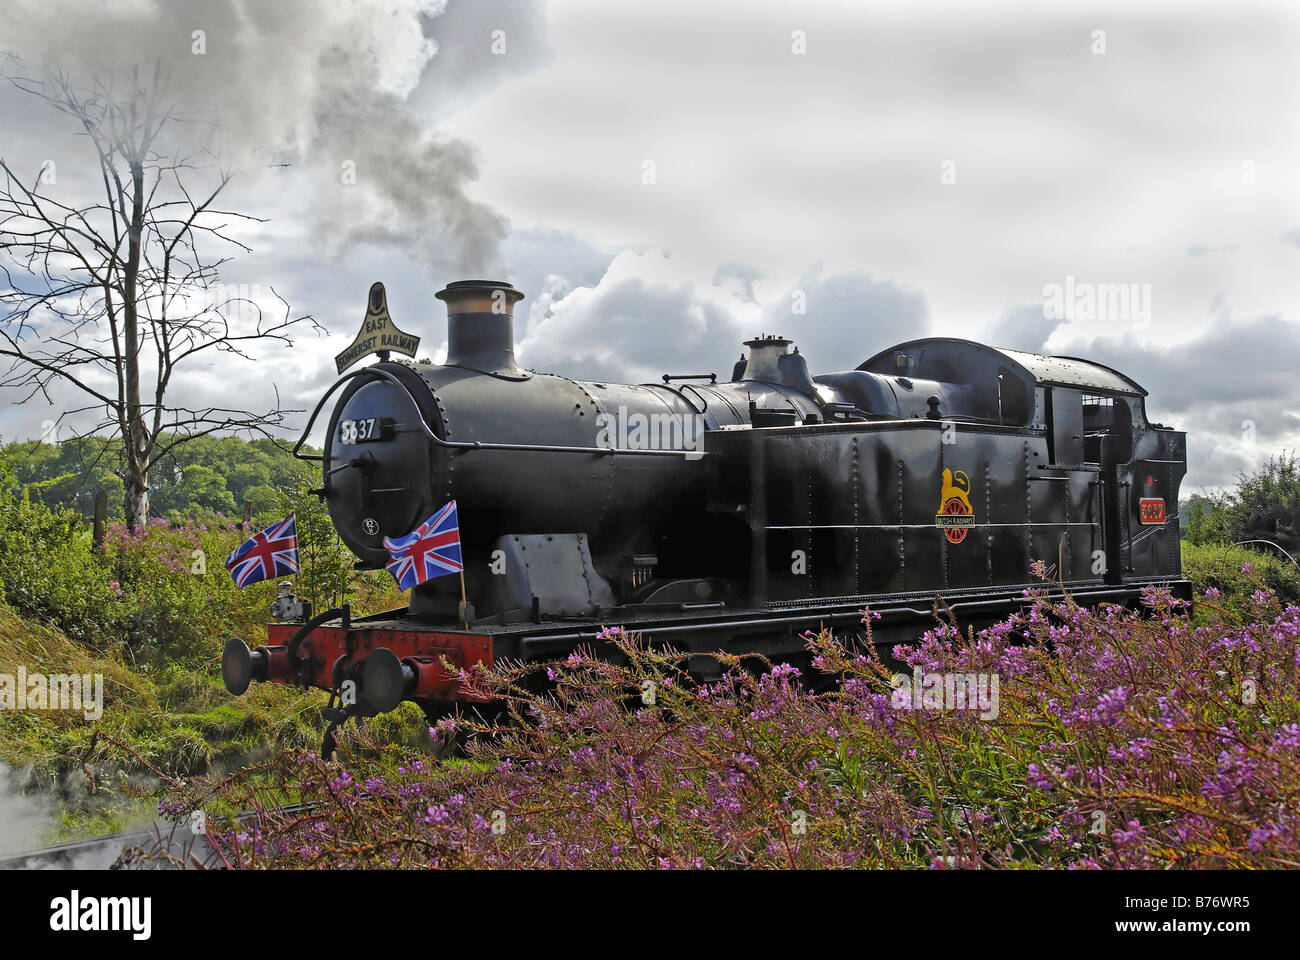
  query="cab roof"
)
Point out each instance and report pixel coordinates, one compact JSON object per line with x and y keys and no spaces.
{"x":954,"y":360}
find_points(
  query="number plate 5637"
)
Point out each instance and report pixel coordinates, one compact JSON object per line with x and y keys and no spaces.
{"x":1151,"y":510}
{"x":358,"y":431}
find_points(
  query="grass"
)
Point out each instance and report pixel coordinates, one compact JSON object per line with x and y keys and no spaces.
{"x":171,"y":716}
{"x":1219,"y":567}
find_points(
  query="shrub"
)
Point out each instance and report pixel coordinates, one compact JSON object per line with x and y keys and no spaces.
{"x":328,"y":575}
{"x":177,"y":595}
{"x":50,"y":571}
{"x":163,"y":588}
{"x":1118,"y":741}
{"x":1236,"y":573}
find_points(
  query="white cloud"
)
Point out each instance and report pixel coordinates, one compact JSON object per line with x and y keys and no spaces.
{"x":1068,"y":163}
{"x":649,"y":314}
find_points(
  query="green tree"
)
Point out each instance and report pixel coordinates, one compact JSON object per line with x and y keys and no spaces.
{"x":327,"y":565}
{"x":1204,"y":519}
{"x":69,"y":474}
{"x":264,"y":499}
{"x":202,"y":488}
{"x":1264,"y":506}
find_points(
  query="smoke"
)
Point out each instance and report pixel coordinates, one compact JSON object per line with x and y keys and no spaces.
{"x":325,"y":87}
{"x":27,"y":819}
{"x":24,"y":819}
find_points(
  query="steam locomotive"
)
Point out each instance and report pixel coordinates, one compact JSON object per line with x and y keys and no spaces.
{"x":719,"y":516}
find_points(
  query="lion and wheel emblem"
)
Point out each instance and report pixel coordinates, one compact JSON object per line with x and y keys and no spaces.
{"x":955,"y":514}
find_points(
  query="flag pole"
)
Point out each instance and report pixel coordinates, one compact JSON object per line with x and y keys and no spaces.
{"x":297,"y":577}
{"x":464,"y":600}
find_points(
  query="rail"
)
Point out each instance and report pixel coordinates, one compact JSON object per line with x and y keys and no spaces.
{"x":74,"y":854}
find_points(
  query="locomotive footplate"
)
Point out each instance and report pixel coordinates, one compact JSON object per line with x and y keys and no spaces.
{"x":393,"y":657}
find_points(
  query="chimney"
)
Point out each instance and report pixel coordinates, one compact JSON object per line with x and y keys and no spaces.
{"x":480,"y":327}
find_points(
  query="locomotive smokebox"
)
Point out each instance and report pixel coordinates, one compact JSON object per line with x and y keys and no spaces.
{"x":480,"y":327}
{"x":596,"y":467}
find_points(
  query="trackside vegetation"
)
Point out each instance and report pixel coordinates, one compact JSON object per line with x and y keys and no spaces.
{"x":1166,"y":737}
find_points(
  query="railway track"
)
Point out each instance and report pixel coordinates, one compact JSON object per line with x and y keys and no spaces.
{"x":97,"y":853}
{"x":101,"y":853}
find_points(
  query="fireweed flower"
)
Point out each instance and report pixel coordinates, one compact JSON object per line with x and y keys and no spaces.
{"x":1035,"y":778}
{"x":754,"y":769}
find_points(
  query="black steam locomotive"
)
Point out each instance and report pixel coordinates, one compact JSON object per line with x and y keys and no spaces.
{"x":720,"y":516}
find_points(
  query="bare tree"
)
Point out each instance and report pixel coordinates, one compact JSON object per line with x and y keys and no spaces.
{"x":116,"y":295}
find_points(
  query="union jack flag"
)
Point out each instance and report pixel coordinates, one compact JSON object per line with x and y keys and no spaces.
{"x":430,"y":550}
{"x":266,"y":555}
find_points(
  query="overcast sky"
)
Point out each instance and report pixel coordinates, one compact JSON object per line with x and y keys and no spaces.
{"x":660,"y":178}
